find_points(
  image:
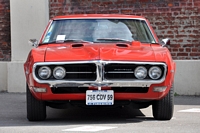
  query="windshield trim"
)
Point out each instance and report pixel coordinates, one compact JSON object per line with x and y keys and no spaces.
{"x":79,"y":18}
{"x":98,"y":18}
{"x":43,"y":37}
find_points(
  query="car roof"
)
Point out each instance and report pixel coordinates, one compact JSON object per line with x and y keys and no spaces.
{"x":99,"y":16}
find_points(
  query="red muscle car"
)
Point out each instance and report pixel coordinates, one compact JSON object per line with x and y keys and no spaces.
{"x":99,"y":60}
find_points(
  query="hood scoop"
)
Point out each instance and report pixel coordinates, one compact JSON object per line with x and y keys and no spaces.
{"x":78,"y":45}
{"x":122,"y":45}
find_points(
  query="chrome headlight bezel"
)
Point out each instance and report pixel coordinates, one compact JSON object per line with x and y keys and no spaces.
{"x":63,"y":71}
{"x":42,"y":69}
{"x":157,"y":72}
{"x":140,"y":70}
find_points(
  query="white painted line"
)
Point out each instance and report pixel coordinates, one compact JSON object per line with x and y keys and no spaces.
{"x":89,"y":128}
{"x":193,"y":110}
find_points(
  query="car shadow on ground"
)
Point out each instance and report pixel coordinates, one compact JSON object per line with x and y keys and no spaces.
{"x":96,"y":115}
{"x":74,"y":116}
{"x":13,"y":113}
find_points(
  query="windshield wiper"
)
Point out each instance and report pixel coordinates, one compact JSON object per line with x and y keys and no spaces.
{"x":113,"y":39}
{"x":67,"y":40}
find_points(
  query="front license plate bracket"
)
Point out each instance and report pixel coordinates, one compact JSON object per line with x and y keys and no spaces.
{"x":99,"y":97}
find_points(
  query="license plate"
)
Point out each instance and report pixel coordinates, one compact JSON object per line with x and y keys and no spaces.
{"x":99,"y":97}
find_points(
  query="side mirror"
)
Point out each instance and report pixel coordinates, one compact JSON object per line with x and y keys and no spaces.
{"x":165,"y":42}
{"x":33,"y":42}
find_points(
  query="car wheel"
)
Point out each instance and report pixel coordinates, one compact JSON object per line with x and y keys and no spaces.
{"x":36,"y":109}
{"x":163,"y":109}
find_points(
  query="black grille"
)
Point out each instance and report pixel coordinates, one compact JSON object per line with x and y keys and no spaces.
{"x":81,"y":72}
{"x":78,"y":72}
{"x":125,"y":71}
{"x":119,"y":71}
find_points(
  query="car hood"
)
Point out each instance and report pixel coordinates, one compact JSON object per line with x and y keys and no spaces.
{"x":99,"y":51}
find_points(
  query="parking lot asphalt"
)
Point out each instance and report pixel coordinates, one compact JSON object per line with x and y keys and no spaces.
{"x":186,"y":118}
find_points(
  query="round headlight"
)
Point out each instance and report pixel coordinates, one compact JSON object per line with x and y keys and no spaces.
{"x":44,"y":72}
{"x":59,"y":72}
{"x":155,"y":72}
{"x":140,"y":72}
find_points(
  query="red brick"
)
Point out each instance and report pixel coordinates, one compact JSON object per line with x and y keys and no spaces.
{"x":151,"y":10}
{"x":180,"y":41}
{"x":126,"y":11}
{"x":163,"y":9}
{"x":175,"y":50}
{"x":194,"y":49}
{"x":107,"y":3}
{"x":183,"y":4}
{"x":5,"y":40}
{"x":195,"y":41}
{"x":1,"y":55}
{"x":175,"y":45}
{"x":188,"y":49}
{"x":173,"y":54}
{"x":197,"y":45}
{"x":190,"y":4}
{"x":114,"y":11}
{"x":182,"y":54}
{"x":181,"y":49}
{"x":194,"y":36}
{"x":195,"y":31}
{"x":144,"y":0}
{"x":176,"y":9}
{"x":170,"y":32}
{"x":138,"y":10}
{"x":195,"y":54}
{"x":181,"y":36}
{"x":188,"y":45}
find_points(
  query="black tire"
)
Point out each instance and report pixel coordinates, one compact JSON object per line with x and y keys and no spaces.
{"x":163,"y":109}
{"x":36,"y":109}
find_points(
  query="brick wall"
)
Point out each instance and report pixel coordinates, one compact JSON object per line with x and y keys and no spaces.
{"x":5,"y":41}
{"x":178,"y":20}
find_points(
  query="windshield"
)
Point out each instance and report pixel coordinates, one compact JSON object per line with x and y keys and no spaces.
{"x":98,"y":30}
